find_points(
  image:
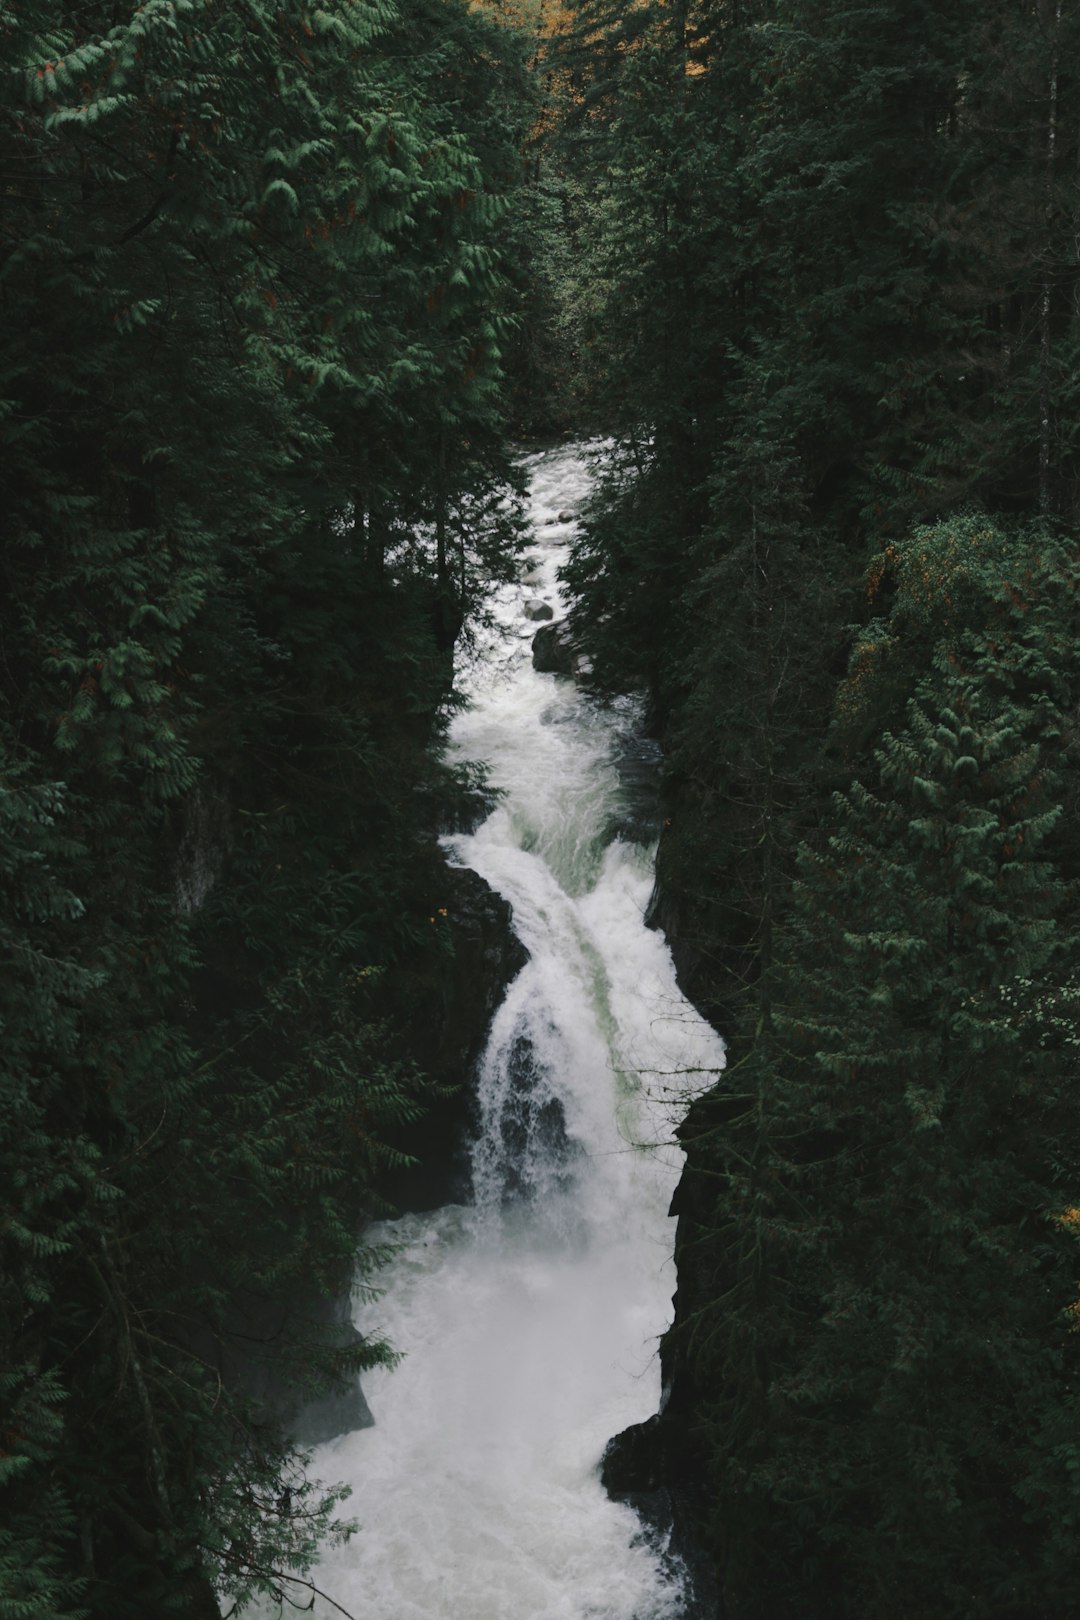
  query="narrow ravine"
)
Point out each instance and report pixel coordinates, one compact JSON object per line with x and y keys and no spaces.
{"x":530,"y":1321}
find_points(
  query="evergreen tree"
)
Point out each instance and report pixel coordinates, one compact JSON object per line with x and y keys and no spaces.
{"x":834,"y":315}
{"x":873,"y":1396}
{"x":255,"y":278}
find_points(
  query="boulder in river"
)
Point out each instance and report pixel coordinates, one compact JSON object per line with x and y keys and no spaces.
{"x":538,"y":610}
{"x":555,"y":651}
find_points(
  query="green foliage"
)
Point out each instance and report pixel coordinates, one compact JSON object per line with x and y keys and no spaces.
{"x":879,"y":1211}
{"x":256,"y":276}
{"x":832,"y":312}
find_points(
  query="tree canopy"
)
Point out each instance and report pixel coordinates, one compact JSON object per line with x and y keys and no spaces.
{"x":829,"y":293}
{"x":256,"y":280}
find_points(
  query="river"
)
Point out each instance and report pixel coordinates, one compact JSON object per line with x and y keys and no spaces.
{"x":530,"y":1319}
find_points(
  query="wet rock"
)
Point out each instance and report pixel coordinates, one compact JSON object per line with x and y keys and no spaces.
{"x":339,"y":1412}
{"x":452,"y":995}
{"x":538,"y":610}
{"x":638,"y":763}
{"x":262,"y":1341}
{"x":633,"y":1462}
{"x":636,"y":1469}
{"x":552,"y":650}
{"x":555,"y":651}
{"x":660,"y":1467}
{"x":566,"y":517}
{"x":707,"y":952}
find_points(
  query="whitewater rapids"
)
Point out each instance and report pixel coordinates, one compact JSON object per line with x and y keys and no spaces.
{"x":530,"y":1320}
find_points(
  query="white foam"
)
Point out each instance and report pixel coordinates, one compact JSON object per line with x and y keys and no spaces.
{"x":530,"y":1328}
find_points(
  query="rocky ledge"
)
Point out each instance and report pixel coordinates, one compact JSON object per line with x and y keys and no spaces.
{"x":636,"y":1469}
{"x":453,"y":993}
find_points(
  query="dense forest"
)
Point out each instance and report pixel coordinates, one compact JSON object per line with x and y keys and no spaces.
{"x":281,"y":289}
{"x":829,"y":267}
{"x":258,"y":266}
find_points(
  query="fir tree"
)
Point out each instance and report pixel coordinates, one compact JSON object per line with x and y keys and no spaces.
{"x":254,"y":283}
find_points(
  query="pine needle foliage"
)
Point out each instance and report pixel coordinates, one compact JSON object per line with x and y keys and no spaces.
{"x":256,"y":277}
{"x":831,"y":313}
{"x":882,"y":1277}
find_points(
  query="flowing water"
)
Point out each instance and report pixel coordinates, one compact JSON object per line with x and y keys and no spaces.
{"x":530,"y":1319}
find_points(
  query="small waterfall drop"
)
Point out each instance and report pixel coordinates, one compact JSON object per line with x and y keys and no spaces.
{"x":530,"y":1320}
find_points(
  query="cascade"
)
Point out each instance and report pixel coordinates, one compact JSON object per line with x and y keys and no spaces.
{"x":529,"y":1321}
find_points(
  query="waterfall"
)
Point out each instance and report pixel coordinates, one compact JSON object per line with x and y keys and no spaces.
{"x":530,"y":1320}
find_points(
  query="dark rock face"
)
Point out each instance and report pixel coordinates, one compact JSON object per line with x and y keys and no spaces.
{"x":638,"y":762}
{"x":556,"y":652}
{"x":256,"y":1350}
{"x":638,"y":1468}
{"x":711,"y":960}
{"x":659,"y":1467}
{"x":665,"y":914}
{"x":471,"y":982}
{"x":633,"y":1463}
{"x":341,"y":1411}
{"x":454,"y":994}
